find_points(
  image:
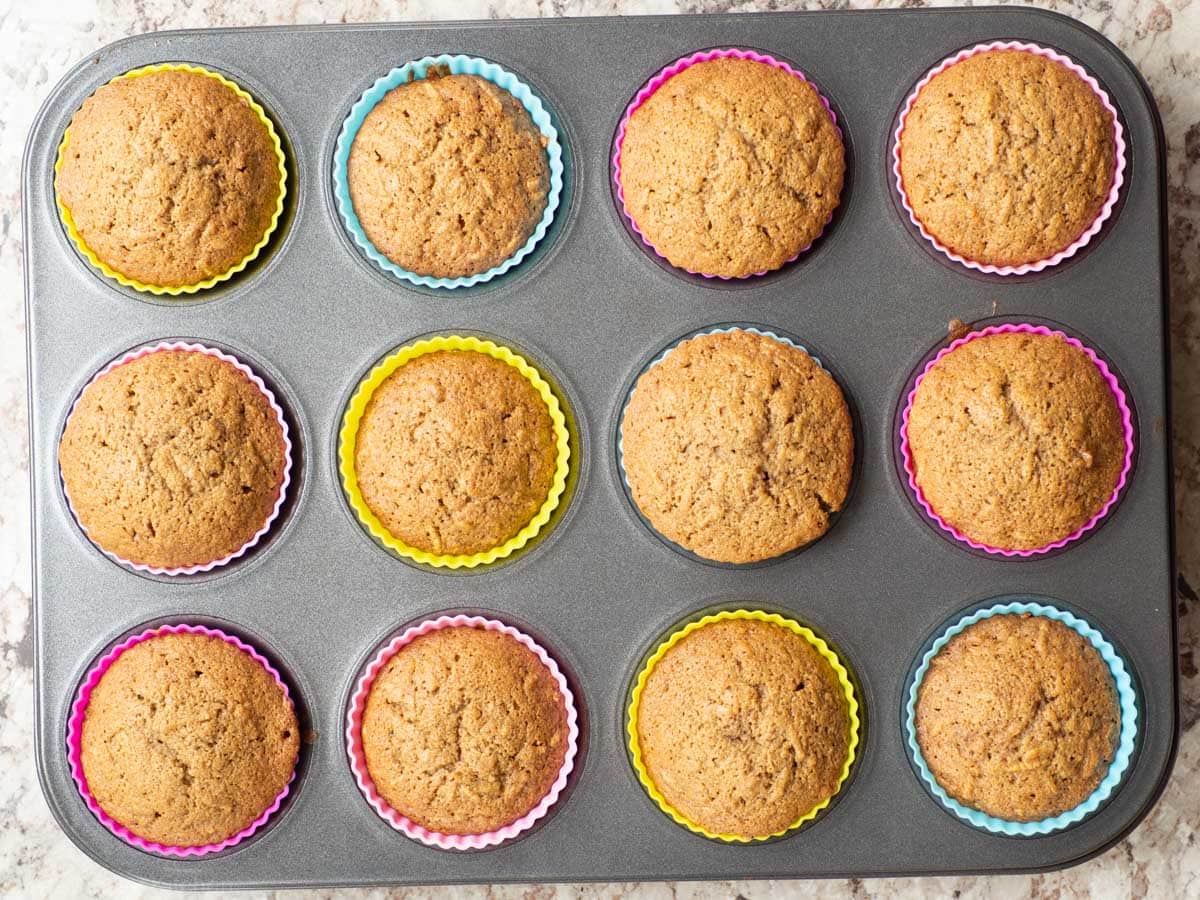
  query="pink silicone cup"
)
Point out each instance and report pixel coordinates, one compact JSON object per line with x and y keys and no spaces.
{"x":405,"y":825}
{"x":658,"y":81}
{"x":1118,"y":396}
{"x":1114,"y":190}
{"x":75,"y":748}
{"x":285,"y":478}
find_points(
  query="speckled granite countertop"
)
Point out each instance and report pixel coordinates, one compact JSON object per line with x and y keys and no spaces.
{"x":40,"y":41}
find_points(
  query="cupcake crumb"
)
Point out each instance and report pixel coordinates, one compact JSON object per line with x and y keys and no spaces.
{"x":1007,"y":157}
{"x":448,"y":175}
{"x":743,"y":727}
{"x":171,"y":178}
{"x":1016,"y":439}
{"x":187,"y":740}
{"x":1017,"y":716}
{"x":464,"y":730}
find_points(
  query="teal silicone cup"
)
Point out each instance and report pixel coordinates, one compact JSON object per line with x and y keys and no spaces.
{"x":1126,"y":696}
{"x":457,"y":65}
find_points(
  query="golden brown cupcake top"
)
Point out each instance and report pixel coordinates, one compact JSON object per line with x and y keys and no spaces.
{"x":732,"y":167}
{"x":172,"y":459}
{"x":1016,"y":439}
{"x":1018,"y":716}
{"x":448,"y":175}
{"x":738,"y":447}
{"x":455,"y":452}
{"x":187,"y":740}
{"x":743,"y":727}
{"x":1007,"y":157}
{"x":171,"y":177}
{"x":464,"y":730}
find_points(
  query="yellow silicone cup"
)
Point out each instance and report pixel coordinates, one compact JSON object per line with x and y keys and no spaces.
{"x":348,"y":438}
{"x":107,"y":270}
{"x":826,"y":652}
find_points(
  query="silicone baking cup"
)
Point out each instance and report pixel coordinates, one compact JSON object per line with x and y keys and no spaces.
{"x":1126,"y":425}
{"x":348,"y":437}
{"x":107,"y":270}
{"x":75,"y":748}
{"x":629,"y":398}
{"x":285,"y":477}
{"x":635,"y":751}
{"x":1106,"y":209}
{"x":651,"y":87}
{"x":1126,"y":695}
{"x":456,"y":65}
{"x":405,"y":825}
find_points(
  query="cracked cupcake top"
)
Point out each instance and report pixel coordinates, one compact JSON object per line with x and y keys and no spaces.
{"x":732,"y":167}
{"x":738,"y":447}
{"x":1018,"y":716}
{"x":172,"y":459}
{"x":455,"y":452}
{"x":187,"y":739}
{"x":743,"y":727}
{"x":1016,"y":439}
{"x":448,"y":175}
{"x":464,"y":730}
{"x":170,"y":177}
{"x":1007,"y":157}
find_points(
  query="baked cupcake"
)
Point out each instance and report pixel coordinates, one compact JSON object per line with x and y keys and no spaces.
{"x":1007,"y":156}
{"x":729,"y":164}
{"x":170,"y":177}
{"x":186,"y":741}
{"x":1017,"y":716}
{"x":743,"y":727}
{"x":737,"y":446}
{"x":448,"y":175}
{"x":456,"y":451}
{"x":174,"y":458}
{"x":1016,"y":439}
{"x":465,"y":731}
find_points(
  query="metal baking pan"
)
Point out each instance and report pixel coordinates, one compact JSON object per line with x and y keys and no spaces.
{"x":592,"y":307}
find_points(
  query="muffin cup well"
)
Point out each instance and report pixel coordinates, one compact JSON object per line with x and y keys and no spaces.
{"x":678,"y":634}
{"x":652,"y":86}
{"x":358,"y":761}
{"x":348,"y":437}
{"x":457,"y":65}
{"x":1118,"y":396}
{"x":1106,"y":209}
{"x":108,"y":271}
{"x":75,"y":743}
{"x":284,"y":478}
{"x":1126,"y":696}
{"x":620,"y":443}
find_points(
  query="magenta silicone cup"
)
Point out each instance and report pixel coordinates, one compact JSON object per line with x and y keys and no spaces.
{"x":1114,"y":190}
{"x":1126,"y":425}
{"x":405,"y":825}
{"x":284,"y":481}
{"x":75,"y":749}
{"x":648,"y":91}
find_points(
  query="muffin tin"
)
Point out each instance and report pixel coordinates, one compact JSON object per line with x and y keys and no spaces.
{"x":590,"y":306}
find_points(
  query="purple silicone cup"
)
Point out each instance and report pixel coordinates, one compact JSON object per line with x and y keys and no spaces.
{"x":75,"y":748}
{"x":405,"y":825}
{"x":1106,"y":208}
{"x":284,"y":479}
{"x":658,"y":81}
{"x":1126,"y":424}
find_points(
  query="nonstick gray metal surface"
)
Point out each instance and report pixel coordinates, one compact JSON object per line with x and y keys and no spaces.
{"x":592,"y":307}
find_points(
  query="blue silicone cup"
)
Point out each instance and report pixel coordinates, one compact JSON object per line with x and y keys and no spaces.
{"x":1126,"y":695}
{"x":457,"y":65}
